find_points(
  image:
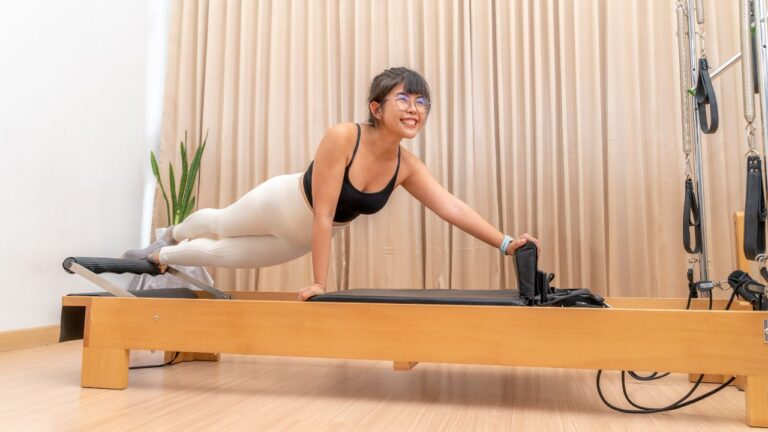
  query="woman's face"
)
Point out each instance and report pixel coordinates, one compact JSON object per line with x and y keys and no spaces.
{"x":402,"y":113}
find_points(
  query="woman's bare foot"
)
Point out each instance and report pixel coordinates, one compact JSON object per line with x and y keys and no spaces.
{"x":309,"y":291}
{"x":154,"y":258}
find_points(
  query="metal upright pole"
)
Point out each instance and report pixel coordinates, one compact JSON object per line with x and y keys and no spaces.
{"x":697,"y":150}
{"x":761,"y":35}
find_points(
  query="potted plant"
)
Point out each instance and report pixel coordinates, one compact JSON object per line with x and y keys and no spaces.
{"x":181,"y":205}
{"x":182,"y":200}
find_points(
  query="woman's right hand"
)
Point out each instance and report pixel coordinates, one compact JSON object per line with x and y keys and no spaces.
{"x":517,"y":244}
{"x":311,"y":290}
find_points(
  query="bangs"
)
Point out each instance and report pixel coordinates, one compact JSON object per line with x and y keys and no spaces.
{"x":413,"y":83}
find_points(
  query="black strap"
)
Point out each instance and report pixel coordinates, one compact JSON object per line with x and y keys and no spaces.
{"x":691,"y":219}
{"x":705,"y":95}
{"x":748,"y":288}
{"x":692,"y":291}
{"x":764,"y":273}
{"x":754,"y":209}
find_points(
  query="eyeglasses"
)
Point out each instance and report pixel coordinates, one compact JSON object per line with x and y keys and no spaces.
{"x":403,"y":103}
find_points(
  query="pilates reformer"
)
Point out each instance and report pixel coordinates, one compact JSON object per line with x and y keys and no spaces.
{"x":495,"y":327}
{"x":406,"y":327}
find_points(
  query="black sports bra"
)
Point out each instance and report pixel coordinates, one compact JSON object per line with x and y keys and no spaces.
{"x":353,"y":202}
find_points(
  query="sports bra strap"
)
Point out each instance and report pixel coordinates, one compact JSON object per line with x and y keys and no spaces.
{"x":357,"y":144}
{"x":397,"y":170}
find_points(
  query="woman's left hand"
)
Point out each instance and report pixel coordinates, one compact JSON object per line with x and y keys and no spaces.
{"x":523,"y":239}
{"x":311,"y":290}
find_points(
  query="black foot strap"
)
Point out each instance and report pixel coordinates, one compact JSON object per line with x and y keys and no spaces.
{"x":705,"y":95}
{"x":754,"y":209}
{"x":691,"y":219}
{"x":748,"y":289}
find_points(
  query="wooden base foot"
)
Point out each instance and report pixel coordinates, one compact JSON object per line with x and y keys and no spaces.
{"x":708,"y":378}
{"x":105,"y":368}
{"x":757,"y":401}
{"x":404,"y":365}
{"x":739,"y":382}
{"x":190,"y":356}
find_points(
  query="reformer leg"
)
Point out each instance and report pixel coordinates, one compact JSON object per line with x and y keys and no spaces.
{"x":105,"y":368}
{"x":190,"y":356}
{"x":404,"y":365}
{"x":739,"y":382}
{"x":757,"y":401}
{"x":708,"y":378}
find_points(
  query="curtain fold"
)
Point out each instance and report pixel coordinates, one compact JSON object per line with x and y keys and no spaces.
{"x":554,"y":117}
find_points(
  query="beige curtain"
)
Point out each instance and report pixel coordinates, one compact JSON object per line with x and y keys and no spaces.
{"x":559,"y":118}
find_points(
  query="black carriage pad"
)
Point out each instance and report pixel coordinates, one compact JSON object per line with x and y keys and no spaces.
{"x":533,"y":284}
{"x":73,"y":317}
{"x":509,"y":297}
{"x":425,"y":296}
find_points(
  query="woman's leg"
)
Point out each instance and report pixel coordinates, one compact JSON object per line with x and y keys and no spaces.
{"x":233,"y":252}
{"x":250,"y":215}
{"x":270,"y":225}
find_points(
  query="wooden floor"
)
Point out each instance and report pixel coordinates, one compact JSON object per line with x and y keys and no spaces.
{"x":39,"y":390}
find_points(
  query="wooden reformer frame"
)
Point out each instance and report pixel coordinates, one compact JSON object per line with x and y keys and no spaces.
{"x":639,"y":334}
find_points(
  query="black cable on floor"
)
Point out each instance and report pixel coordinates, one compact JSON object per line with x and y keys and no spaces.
{"x":168,"y":363}
{"x":681,"y":403}
{"x":653,"y":376}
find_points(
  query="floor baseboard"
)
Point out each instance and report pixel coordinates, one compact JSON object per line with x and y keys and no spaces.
{"x":28,"y":338}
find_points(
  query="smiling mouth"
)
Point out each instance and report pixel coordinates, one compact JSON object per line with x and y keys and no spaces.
{"x":409,"y":122}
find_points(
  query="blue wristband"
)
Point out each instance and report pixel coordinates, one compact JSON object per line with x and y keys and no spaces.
{"x":505,"y":243}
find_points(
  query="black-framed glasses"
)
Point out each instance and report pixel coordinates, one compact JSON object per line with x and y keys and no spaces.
{"x":403,"y":103}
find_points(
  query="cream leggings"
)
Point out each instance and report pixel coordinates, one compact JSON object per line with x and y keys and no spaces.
{"x":269,"y":225}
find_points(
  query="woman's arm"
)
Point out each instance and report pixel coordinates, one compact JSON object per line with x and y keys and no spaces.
{"x":327,"y":176}
{"x":422,"y":185}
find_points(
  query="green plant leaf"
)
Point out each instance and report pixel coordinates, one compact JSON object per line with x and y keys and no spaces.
{"x":156,"y":172}
{"x":189,"y":209}
{"x":153,"y":162}
{"x":183,"y":183}
{"x":182,"y":201}
{"x":193,"y":171}
{"x":174,"y":200}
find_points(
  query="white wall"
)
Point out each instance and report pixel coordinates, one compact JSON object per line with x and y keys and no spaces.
{"x":78,"y":102}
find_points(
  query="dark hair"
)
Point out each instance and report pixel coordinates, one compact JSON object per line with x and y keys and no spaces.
{"x":384,"y":82}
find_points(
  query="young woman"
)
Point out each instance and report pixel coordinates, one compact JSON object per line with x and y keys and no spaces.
{"x":354,"y":172}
